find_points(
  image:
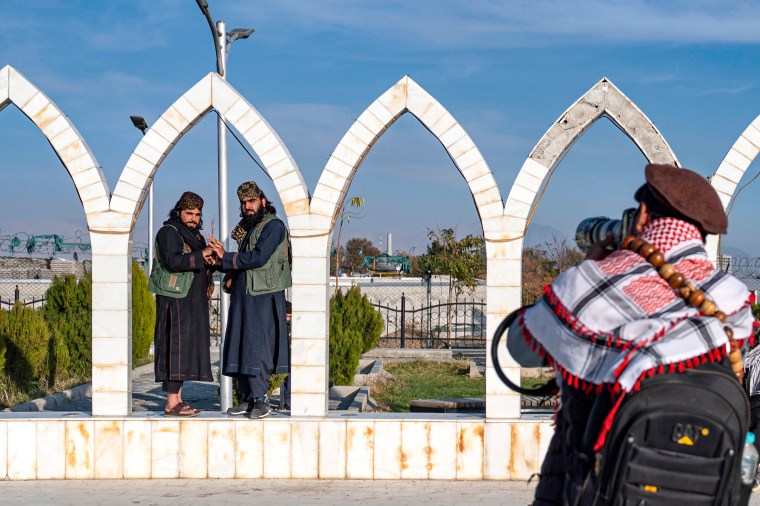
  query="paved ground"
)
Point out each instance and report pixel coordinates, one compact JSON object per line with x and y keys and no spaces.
{"x":303,"y":493}
{"x":148,"y":396}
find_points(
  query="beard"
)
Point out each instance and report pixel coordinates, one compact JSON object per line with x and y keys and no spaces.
{"x":253,"y":219}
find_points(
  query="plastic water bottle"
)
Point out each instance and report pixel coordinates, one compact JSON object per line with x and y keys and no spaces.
{"x":749,"y":460}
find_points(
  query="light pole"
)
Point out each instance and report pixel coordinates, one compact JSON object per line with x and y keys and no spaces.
{"x":140,"y":124}
{"x":222,"y":42}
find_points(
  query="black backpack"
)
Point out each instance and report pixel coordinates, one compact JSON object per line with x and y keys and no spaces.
{"x":678,"y":440}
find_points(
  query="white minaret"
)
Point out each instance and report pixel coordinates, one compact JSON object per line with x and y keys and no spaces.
{"x":389,"y":244}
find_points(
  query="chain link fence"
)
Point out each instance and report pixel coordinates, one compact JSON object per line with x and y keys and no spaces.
{"x":25,"y":280}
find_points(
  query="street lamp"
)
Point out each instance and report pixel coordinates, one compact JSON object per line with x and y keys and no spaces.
{"x":222,"y":42}
{"x":141,"y":125}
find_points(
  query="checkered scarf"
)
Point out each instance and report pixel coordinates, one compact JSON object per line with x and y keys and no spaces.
{"x":615,"y":321}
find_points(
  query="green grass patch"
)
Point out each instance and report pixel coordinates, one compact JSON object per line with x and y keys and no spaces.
{"x":144,"y":360}
{"x":425,"y":380}
{"x":11,"y":395}
{"x":534,"y":382}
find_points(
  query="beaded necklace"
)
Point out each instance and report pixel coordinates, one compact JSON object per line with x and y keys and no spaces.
{"x":687,"y":290}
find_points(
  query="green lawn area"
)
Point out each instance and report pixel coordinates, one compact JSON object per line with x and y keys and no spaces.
{"x":430,"y":380}
{"x":425,"y":380}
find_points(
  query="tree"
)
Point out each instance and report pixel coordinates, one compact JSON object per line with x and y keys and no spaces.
{"x":542,"y":264}
{"x":356,"y":249}
{"x":460,"y":259}
{"x":561,"y":255}
{"x":345,"y":216}
{"x":536,"y":273}
{"x":333,"y":257}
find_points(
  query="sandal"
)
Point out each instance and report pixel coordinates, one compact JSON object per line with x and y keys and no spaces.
{"x":182,"y":409}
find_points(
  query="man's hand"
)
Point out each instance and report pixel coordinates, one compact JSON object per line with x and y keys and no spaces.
{"x":216,"y":246}
{"x":599,"y":250}
{"x":208,"y":256}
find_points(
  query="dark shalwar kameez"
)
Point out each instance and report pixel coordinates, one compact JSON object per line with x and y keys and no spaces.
{"x":182,"y":335}
{"x":256,"y":341}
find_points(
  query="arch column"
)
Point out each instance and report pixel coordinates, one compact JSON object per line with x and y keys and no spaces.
{"x":604,"y":99}
{"x":311,"y":321}
{"x":111,"y":323}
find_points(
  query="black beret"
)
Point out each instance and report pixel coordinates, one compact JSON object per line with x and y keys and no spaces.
{"x":683,"y":193}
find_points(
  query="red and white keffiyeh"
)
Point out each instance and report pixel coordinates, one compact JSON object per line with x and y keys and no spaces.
{"x":615,"y":321}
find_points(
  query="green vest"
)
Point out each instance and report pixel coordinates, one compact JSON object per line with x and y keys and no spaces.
{"x":169,"y":284}
{"x":273,"y":276}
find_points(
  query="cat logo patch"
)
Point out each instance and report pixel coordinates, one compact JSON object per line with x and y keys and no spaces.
{"x":688,"y":434}
{"x":685,"y":440}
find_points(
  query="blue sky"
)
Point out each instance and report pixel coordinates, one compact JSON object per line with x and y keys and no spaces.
{"x":505,"y":70}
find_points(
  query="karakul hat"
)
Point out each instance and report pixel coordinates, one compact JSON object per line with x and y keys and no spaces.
{"x":248,"y":190}
{"x":190,"y":200}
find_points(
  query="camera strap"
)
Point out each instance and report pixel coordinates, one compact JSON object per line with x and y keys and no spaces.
{"x":547,"y":390}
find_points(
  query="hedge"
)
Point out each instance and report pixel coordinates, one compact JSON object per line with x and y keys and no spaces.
{"x":355,"y":328}
{"x":68,"y":313}
{"x":27,"y":345}
{"x":143,"y":314}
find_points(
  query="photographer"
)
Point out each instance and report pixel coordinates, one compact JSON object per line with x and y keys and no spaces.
{"x":616,"y":319}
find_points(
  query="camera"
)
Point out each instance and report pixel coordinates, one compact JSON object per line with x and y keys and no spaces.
{"x":596,"y":229}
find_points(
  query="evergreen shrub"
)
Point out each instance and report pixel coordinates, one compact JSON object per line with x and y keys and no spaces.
{"x":27,"y":340}
{"x":3,"y":316}
{"x":143,"y":314}
{"x":355,"y":328}
{"x":68,"y":313}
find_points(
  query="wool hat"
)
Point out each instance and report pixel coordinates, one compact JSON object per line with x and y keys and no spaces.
{"x":190,"y":200}
{"x":682,"y":193}
{"x":248,"y":190}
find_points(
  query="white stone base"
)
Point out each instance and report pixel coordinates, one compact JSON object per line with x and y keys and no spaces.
{"x":341,"y":446}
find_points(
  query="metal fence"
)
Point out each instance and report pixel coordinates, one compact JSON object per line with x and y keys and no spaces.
{"x":442,"y":325}
{"x":28,"y":292}
{"x":7,"y":304}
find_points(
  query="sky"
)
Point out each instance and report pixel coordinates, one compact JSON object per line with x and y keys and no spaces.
{"x":506,"y":70}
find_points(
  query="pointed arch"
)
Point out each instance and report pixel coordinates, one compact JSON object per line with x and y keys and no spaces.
{"x":211,"y":92}
{"x":504,"y":234}
{"x":68,"y":144}
{"x":736,"y":162}
{"x":604,"y":99}
{"x":404,"y":96}
{"x":730,"y":172}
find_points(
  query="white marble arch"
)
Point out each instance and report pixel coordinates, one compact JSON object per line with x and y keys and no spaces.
{"x":91,"y":187}
{"x":329,"y":195}
{"x":70,"y":147}
{"x":504,"y":247}
{"x":111,"y":249}
{"x":730,"y":172}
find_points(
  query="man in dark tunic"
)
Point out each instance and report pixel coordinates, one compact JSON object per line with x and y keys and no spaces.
{"x":256,"y":342}
{"x":183,"y":286}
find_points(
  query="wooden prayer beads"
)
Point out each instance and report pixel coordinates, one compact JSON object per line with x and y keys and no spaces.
{"x":694,"y":296}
